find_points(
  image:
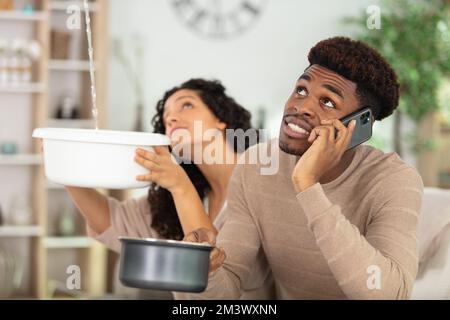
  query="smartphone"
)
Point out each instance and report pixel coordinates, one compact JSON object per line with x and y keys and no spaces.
{"x":363,"y":129}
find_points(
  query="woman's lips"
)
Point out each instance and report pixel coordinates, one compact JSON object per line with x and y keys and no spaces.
{"x":171,"y":131}
{"x":294,"y":131}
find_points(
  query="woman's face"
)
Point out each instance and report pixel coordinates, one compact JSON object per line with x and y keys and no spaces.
{"x":183,"y":111}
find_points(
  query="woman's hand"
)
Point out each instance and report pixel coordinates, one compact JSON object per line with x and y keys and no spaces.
{"x":217,"y":255}
{"x":164,"y":170}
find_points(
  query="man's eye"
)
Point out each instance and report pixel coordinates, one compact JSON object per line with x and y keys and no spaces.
{"x":328,"y":103}
{"x":301,"y":91}
{"x":187,"y":106}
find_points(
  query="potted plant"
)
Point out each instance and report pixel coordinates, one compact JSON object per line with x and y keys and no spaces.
{"x":414,"y":36}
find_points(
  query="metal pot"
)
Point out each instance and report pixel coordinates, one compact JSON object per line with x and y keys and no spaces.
{"x":164,"y":264}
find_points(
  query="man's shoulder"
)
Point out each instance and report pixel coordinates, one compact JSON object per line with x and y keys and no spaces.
{"x":389,"y":161}
{"x":388,"y":167}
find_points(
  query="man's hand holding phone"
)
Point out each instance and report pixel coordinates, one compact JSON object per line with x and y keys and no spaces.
{"x":329,"y":142}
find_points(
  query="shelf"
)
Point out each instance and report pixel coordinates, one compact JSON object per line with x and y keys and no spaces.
{"x":69,"y":65}
{"x":63,"y":5}
{"x":67,"y":242}
{"x":54,"y":186}
{"x":71,"y":123}
{"x":20,"y":231}
{"x":20,"y":159}
{"x":15,"y":15}
{"x":23,"y":88}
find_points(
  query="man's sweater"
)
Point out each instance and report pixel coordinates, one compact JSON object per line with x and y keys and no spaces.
{"x":352,"y":238}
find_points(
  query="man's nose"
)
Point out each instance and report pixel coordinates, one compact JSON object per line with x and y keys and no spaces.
{"x":306,"y":109}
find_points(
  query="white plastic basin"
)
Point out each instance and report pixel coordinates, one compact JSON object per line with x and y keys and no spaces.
{"x":95,"y":158}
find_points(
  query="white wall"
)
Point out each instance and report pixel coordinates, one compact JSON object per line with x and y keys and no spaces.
{"x":259,"y":68}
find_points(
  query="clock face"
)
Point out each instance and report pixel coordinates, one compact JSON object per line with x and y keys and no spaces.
{"x":218,"y":19}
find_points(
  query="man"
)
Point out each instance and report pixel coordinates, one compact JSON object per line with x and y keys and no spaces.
{"x":332,"y":224}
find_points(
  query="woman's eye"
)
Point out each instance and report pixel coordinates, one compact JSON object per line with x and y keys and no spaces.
{"x":187,"y":106}
{"x":301,"y":91}
{"x":328,"y":103}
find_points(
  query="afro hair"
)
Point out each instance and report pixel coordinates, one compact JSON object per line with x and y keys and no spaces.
{"x":376,"y":81}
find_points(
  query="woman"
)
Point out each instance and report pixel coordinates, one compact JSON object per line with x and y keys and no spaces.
{"x":182,"y":197}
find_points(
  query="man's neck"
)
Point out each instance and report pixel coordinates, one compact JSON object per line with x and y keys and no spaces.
{"x":336,"y":171}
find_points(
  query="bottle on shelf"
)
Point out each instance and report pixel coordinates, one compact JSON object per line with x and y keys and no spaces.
{"x":14,"y":62}
{"x":25,"y":68}
{"x":67,"y":108}
{"x":66,"y":225}
{"x":21,"y":212}
{"x":3,"y":62}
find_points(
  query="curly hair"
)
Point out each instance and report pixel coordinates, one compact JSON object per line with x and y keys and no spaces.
{"x":376,"y":81}
{"x":165,"y":218}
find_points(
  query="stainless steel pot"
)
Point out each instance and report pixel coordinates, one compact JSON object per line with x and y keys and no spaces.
{"x":164,"y":264}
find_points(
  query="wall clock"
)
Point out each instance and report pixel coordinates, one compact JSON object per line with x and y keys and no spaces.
{"x":218,"y":19}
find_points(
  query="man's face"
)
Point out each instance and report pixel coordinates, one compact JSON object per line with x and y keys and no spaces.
{"x":319,"y":94}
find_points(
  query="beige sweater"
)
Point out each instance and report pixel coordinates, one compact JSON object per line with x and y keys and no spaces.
{"x":355,"y":237}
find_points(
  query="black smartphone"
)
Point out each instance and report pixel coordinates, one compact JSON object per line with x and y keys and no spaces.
{"x":363,"y":129}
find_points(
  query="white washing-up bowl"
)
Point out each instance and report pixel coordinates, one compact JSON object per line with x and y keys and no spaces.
{"x":95,"y":158}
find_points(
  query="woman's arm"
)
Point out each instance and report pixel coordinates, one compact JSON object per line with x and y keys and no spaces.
{"x":93,"y":206}
{"x":170,"y":175}
{"x":190,"y":208}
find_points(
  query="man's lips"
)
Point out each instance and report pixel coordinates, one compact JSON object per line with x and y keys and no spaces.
{"x":290,"y":132}
{"x":297,"y":121}
{"x":295,"y":127}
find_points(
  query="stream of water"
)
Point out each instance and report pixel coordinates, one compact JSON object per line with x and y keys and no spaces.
{"x":91,"y":64}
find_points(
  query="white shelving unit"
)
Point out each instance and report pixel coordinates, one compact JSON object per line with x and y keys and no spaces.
{"x":67,"y":242}
{"x":24,"y":88}
{"x":23,"y":16}
{"x":20,"y":231}
{"x":62,"y":5}
{"x":69,"y":65}
{"x":54,"y":186}
{"x":21,"y":159}
{"x":35,"y":98}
